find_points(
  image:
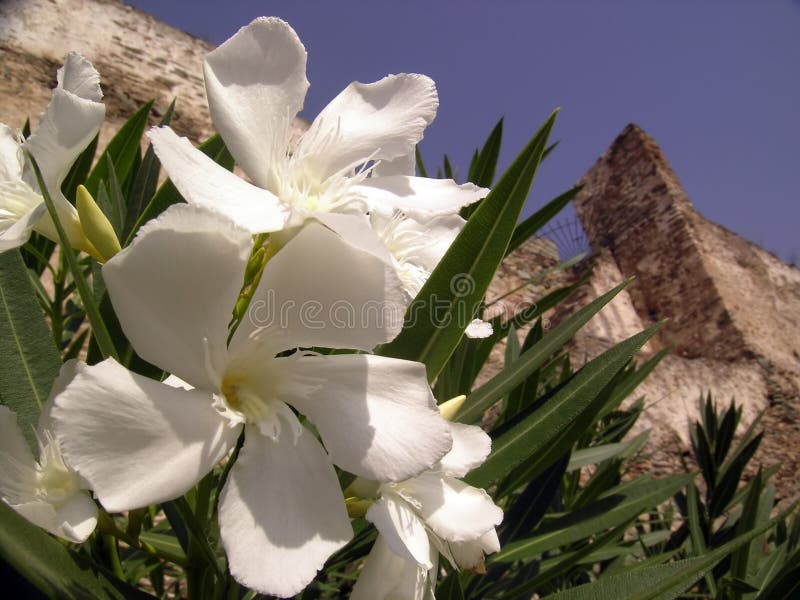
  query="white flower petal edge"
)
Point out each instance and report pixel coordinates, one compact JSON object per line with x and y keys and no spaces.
{"x":459,"y":520}
{"x":419,"y":197}
{"x":402,"y":530}
{"x":202,"y":181}
{"x":135,"y":440}
{"x":323,"y":291}
{"x":381,"y":120}
{"x":281,"y":513}
{"x":256,"y":83}
{"x":387,"y":576}
{"x":72,"y":119}
{"x":416,"y":247}
{"x":174,"y":289}
{"x":471,"y":446}
{"x":376,"y":415}
{"x":46,"y":491}
{"x":453,"y":510}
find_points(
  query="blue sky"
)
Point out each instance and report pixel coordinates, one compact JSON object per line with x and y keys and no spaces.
{"x":716,"y":83}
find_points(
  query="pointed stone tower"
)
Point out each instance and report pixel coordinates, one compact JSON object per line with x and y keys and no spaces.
{"x":733,"y":308}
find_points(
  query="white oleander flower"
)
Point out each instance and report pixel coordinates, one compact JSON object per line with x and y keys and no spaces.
{"x":140,"y":442}
{"x":431,"y":514}
{"x":70,"y":122}
{"x":46,"y":491}
{"x":256,"y":83}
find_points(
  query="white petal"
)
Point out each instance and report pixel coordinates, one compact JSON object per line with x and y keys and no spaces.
{"x":420,"y":197}
{"x":174,"y":289}
{"x":386,"y":576}
{"x":18,"y":233}
{"x":202,"y":181}
{"x":376,"y":415}
{"x":402,"y":165}
{"x":323,"y":291}
{"x":439,"y":233}
{"x":402,"y":530}
{"x":12,"y":442}
{"x":479,"y":329}
{"x":282,"y":513}
{"x":69,"y":123}
{"x":471,"y":446}
{"x":135,"y":440}
{"x":470,"y":555}
{"x":453,"y":510}
{"x":74,"y":520}
{"x":381,"y":120}
{"x":256,"y":83}
{"x":11,"y":155}
{"x":79,"y":77}
{"x":65,"y":375}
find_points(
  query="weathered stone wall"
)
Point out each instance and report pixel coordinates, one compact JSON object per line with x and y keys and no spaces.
{"x":138,"y":57}
{"x":733,"y":309}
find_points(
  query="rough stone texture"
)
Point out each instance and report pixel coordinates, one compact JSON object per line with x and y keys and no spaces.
{"x":733,"y":309}
{"x":139,"y":58}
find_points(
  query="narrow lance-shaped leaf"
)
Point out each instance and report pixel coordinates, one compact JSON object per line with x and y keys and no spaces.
{"x":56,"y":570}
{"x":660,"y":582}
{"x":29,"y":362}
{"x":540,"y":218}
{"x":122,"y":149}
{"x":436,"y":321}
{"x":614,"y":508}
{"x":482,"y":398}
{"x":540,"y":429}
{"x":144,"y":185}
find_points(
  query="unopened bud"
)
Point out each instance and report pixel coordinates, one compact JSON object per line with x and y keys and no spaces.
{"x":449,"y":409}
{"x":96,"y":226}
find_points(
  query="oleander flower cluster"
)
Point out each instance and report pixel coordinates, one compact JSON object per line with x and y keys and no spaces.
{"x":262,"y":299}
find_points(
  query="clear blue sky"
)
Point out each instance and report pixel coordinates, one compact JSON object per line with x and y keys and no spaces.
{"x":717,"y":83}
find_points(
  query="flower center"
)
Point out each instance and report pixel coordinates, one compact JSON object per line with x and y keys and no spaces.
{"x":241,"y":399}
{"x":57,"y":483}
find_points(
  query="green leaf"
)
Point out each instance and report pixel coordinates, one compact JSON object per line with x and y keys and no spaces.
{"x":144,"y":185}
{"x":614,"y":508}
{"x":505,"y":381}
{"x":741,"y":557}
{"x":660,"y":582}
{"x":56,"y":570}
{"x":29,"y":362}
{"x":450,"y":588}
{"x":436,"y":320}
{"x":482,"y":172}
{"x":785,"y":585}
{"x":423,"y":172}
{"x":540,"y":218}
{"x":542,"y":430}
{"x":597,"y":454}
{"x":122,"y":149}
{"x":531,"y":505}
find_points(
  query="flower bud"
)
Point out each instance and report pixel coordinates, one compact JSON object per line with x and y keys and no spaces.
{"x":450,"y":408}
{"x":95,"y":225}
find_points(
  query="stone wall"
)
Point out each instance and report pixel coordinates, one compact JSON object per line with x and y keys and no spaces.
{"x":733,"y":308}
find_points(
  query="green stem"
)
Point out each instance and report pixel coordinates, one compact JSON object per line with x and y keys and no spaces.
{"x":110,"y":545}
{"x":99,"y":329}
{"x":109,"y":528}
{"x":198,"y":542}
